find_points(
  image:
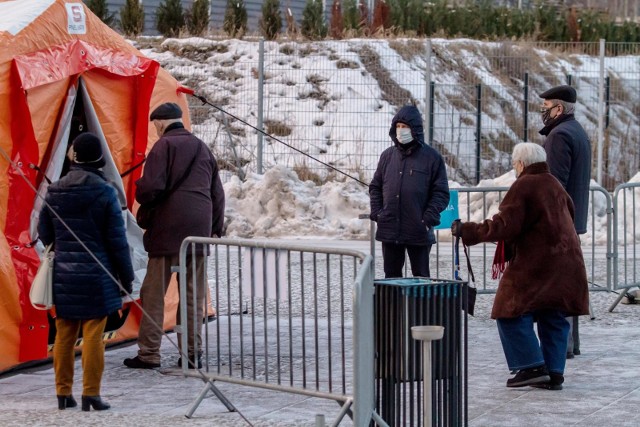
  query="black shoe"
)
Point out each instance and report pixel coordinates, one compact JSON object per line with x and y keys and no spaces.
{"x":555,"y":382}
{"x":529,"y":376}
{"x":576,"y":351}
{"x":94,"y":402}
{"x":570,"y":355}
{"x":66,"y":402}
{"x":136,"y":363}
{"x":190,"y":363}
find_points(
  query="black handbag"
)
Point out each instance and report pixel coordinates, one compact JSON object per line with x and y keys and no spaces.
{"x":146,"y":211}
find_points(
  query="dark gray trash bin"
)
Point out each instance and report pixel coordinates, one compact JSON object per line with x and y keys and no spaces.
{"x":400,"y":304}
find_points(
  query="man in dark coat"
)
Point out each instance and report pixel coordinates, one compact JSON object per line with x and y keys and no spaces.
{"x":569,"y":157}
{"x":181,"y":165}
{"x":408,"y":192}
{"x":545,"y":279}
{"x":84,"y":290}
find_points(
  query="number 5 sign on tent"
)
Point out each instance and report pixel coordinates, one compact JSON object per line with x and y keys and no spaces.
{"x":76,"y":18}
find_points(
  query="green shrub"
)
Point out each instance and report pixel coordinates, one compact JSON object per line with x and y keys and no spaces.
{"x":170,"y":18}
{"x":271,"y":20}
{"x":198,"y":17}
{"x":132,"y":18}
{"x":235,"y":18}
{"x":313,"y":26}
{"x":100,"y":9}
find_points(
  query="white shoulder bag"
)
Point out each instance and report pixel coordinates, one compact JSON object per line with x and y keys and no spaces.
{"x":41,"y":293}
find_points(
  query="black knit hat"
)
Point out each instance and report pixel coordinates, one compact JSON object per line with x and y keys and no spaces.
{"x":167,"y":111}
{"x":87,"y":150}
{"x":563,"y":93}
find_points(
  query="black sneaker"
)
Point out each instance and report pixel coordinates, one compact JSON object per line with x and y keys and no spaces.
{"x":570,"y":355}
{"x":136,"y":363}
{"x":555,"y":383}
{"x":190,"y":363}
{"x":530,"y":376}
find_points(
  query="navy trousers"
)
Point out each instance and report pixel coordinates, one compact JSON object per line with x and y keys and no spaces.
{"x":522,"y":348}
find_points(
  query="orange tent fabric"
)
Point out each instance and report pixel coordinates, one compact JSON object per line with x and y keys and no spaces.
{"x":46,"y":46}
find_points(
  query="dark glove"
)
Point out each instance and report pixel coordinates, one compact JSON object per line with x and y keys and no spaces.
{"x":456,"y":228}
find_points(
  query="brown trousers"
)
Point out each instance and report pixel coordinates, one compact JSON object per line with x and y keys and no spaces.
{"x":154,"y":288}
{"x":92,"y":355}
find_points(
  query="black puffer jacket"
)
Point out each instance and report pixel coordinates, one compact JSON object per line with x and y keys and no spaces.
{"x":409,"y":189}
{"x":88,"y":204}
{"x":569,"y":159}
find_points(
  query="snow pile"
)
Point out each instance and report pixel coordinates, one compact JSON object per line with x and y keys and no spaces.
{"x":279,"y":204}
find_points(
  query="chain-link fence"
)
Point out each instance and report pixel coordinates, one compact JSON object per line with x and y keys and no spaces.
{"x":334,"y":100}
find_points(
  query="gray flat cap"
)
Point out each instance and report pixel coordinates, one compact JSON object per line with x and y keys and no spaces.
{"x":167,"y":111}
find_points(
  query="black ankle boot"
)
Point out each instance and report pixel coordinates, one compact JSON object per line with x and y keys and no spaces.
{"x":66,"y":402}
{"x":94,"y":402}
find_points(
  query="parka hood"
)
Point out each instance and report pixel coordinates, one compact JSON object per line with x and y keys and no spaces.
{"x":409,"y":115}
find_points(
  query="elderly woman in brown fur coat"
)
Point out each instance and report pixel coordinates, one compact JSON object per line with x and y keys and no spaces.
{"x":545,"y":278}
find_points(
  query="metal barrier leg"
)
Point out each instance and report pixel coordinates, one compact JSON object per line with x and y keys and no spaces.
{"x":623,"y":292}
{"x":378,"y":419}
{"x":342,"y":413}
{"x":209,"y":386}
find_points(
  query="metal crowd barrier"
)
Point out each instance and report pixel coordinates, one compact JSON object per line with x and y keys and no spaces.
{"x":598,"y":257}
{"x":626,"y":233}
{"x":290,"y":318}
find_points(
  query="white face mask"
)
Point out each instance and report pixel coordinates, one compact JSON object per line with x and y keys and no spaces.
{"x":404,"y":135}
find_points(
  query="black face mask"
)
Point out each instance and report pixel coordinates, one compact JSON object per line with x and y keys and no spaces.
{"x":546,"y":114}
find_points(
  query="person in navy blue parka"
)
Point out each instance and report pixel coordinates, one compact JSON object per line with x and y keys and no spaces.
{"x":408,"y":192}
{"x":88,"y":217}
{"x":569,"y":157}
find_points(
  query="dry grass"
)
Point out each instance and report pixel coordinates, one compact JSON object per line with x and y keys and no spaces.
{"x":306,"y":174}
{"x":194,"y":52}
{"x":408,"y":49}
{"x":392,"y":92}
{"x":277,"y":128}
{"x":345,"y":63}
{"x":287,"y":49}
{"x":226,"y":75}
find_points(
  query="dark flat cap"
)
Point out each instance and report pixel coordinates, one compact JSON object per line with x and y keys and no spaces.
{"x":167,"y":111}
{"x":563,"y":93}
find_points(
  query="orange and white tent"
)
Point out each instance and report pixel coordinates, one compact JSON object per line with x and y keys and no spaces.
{"x":62,"y":71}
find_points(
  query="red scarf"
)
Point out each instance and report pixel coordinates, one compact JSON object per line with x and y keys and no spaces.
{"x":500,"y":262}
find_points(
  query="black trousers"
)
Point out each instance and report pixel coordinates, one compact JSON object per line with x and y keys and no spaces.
{"x":394,"y":256}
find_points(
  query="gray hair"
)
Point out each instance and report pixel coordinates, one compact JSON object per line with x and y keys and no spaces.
{"x":567,"y":107}
{"x":529,"y":153}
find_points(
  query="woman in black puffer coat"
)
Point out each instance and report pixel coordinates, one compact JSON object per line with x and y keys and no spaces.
{"x":84,"y":291}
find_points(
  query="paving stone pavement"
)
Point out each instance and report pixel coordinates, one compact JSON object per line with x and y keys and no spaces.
{"x":602,"y":387}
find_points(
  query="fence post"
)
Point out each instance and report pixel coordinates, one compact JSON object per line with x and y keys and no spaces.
{"x":601,"y":112}
{"x":607,"y":101}
{"x":525,"y":108}
{"x":432,"y":95}
{"x":569,"y":78}
{"x":427,"y":80}
{"x":260,"y":103}
{"x":478,"y":129}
